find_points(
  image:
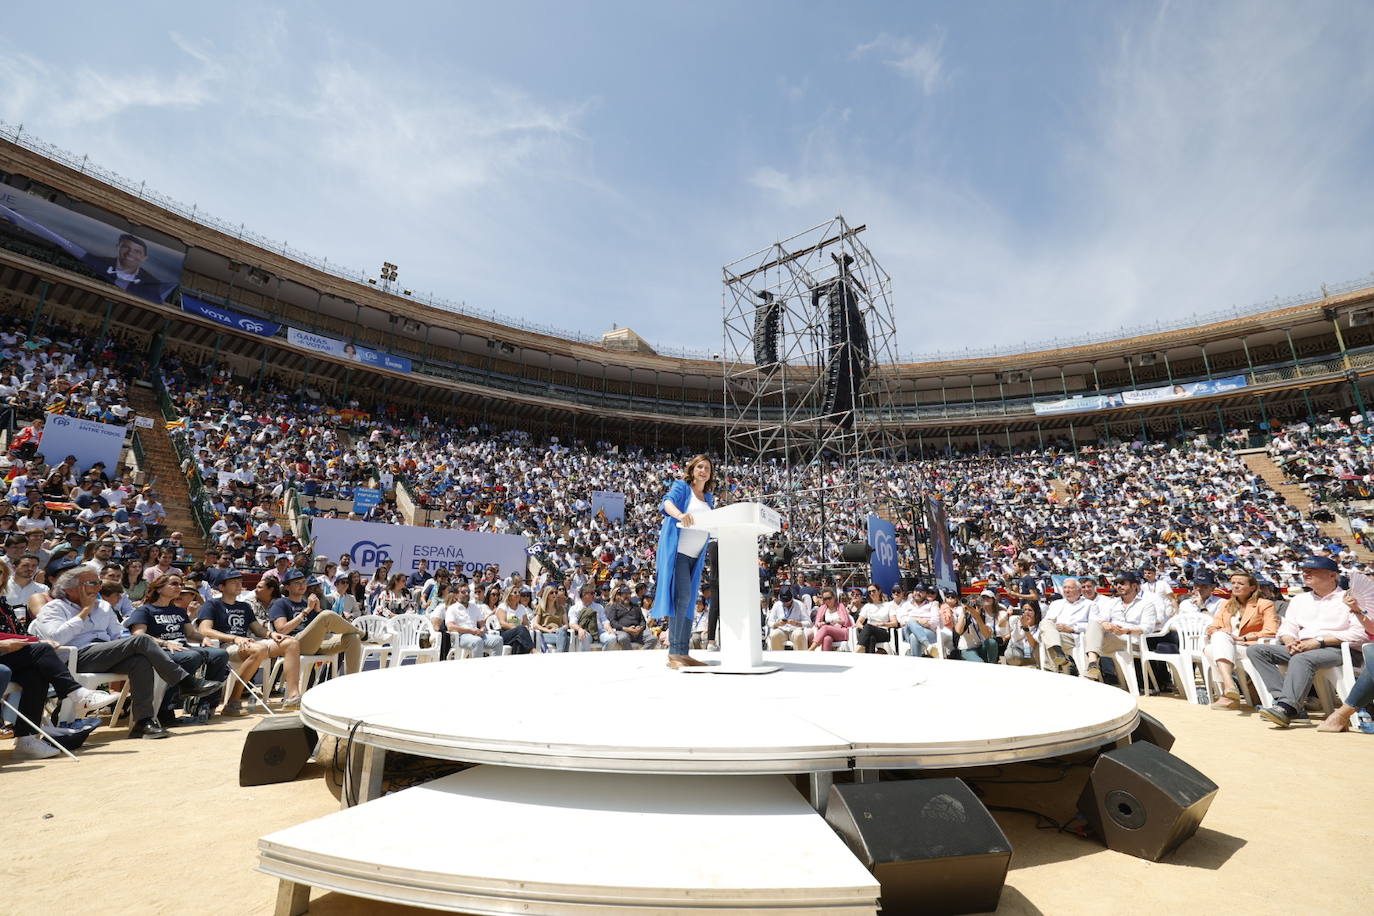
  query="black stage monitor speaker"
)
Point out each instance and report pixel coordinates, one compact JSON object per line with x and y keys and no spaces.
{"x":1152,"y":730}
{"x":930,"y":843}
{"x":275,"y":751}
{"x":1144,"y":801}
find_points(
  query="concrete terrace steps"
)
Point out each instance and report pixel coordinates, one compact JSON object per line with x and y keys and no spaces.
{"x":1295,"y":494}
{"x":161,"y":457}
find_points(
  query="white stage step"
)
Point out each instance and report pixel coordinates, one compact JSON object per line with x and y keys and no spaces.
{"x":501,"y":840}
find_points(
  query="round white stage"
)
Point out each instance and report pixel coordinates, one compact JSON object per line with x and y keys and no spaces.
{"x":619,"y":712}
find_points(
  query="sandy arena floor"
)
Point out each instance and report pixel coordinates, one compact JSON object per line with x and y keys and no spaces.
{"x":163,"y":827}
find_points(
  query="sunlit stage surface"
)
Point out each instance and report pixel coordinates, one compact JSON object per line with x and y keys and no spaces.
{"x":629,"y":712}
{"x":609,"y":783}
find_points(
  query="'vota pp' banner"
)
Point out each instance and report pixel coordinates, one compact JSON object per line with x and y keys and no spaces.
{"x":123,"y":255}
{"x":334,"y":347}
{"x":228,"y":317}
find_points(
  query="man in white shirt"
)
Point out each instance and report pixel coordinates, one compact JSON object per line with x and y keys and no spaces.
{"x":76,"y":617}
{"x":582,"y":630}
{"x":1315,"y":625}
{"x":921,"y":623}
{"x":22,"y":586}
{"x":787,"y":623}
{"x":1161,"y":588}
{"x":1065,"y":622}
{"x":463,"y":622}
{"x":1117,"y":618}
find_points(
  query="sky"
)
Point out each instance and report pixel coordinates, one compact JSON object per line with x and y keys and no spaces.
{"x":1028,"y":172}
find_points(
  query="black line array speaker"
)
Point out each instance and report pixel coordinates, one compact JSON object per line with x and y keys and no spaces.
{"x":1144,"y":801}
{"x":767,"y":325}
{"x":930,"y":843}
{"x":275,"y":751}
{"x":1152,"y":730}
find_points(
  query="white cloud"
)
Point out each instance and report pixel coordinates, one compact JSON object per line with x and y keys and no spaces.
{"x":66,"y":99}
{"x":921,"y":62}
{"x":1221,"y":161}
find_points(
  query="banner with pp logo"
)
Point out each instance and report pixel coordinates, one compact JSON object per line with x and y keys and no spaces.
{"x":369,"y":544}
{"x":883,"y":566}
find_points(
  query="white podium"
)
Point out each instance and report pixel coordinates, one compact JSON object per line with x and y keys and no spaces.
{"x":737,"y":528}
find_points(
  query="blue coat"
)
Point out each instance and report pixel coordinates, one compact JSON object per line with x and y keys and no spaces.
{"x":680,"y":495}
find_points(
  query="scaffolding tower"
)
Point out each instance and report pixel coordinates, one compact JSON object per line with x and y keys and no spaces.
{"x":809,"y":362}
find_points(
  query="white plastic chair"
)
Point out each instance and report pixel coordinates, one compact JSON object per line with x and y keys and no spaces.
{"x":1332,"y":685}
{"x":1124,"y":660}
{"x":405,"y":639}
{"x":377,"y":642}
{"x":1190,"y":629}
{"x":310,"y":664}
{"x":1338,"y":681}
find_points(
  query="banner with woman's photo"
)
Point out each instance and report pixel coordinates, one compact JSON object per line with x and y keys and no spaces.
{"x":346,"y":350}
{"x":139,"y":261}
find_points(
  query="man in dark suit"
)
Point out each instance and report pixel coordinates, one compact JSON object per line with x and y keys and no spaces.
{"x":124,"y":270}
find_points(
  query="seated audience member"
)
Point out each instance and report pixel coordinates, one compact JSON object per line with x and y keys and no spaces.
{"x":550,"y":624}
{"x":511,"y":617}
{"x":701,"y":622}
{"x":588,"y":619}
{"x":787,"y":623}
{"x":319,"y":632}
{"x":1315,"y":625}
{"x":627,"y":622}
{"x":1116,"y":619}
{"x":72,"y":618}
{"x":166,"y":617}
{"x":973,"y":634}
{"x":922,"y":623}
{"x":1241,"y":621}
{"x":35,"y":667}
{"x":395,"y":599}
{"x":876,"y":621}
{"x":1023,"y":640}
{"x":1064,"y":623}
{"x":463,"y":621}
{"x":832,"y":623}
{"x":1361,"y":695}
{"x":248,"y":642}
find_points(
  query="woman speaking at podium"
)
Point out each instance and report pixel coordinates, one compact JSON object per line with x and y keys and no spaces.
{"x":682,"y":555}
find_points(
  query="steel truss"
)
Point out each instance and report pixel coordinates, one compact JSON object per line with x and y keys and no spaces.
{"x":798,"y":316}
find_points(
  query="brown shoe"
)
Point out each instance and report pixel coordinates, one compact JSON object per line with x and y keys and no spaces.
{"x":689,"y":662}
{"x":1226,"y":703}
{"x":675,"y":661}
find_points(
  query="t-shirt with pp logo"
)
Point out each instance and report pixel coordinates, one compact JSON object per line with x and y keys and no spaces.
{"x":166,"y":623}
{"x":232,"y":619}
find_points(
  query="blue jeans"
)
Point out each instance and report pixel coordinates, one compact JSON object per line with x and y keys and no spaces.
{"x":920,"y":638}
{"x":1363,"y":691}
{"x":684,"y":603}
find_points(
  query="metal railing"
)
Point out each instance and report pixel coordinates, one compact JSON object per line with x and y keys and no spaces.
{"x":202,"y":510}
{"x":15,"y":134}
{"x":83,"y":164}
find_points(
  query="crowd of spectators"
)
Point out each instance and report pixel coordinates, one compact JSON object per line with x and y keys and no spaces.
{"x":1156,"y":518}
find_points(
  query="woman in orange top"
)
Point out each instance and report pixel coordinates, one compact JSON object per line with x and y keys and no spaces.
{"x":1242,"y":620}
